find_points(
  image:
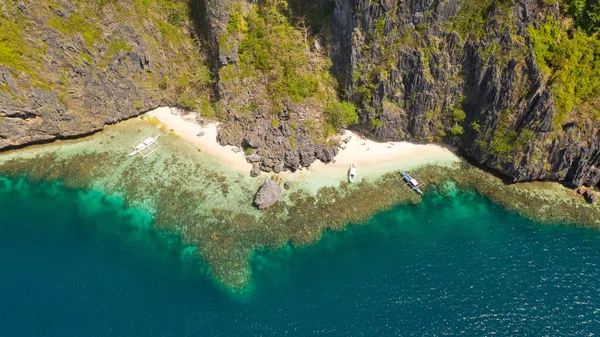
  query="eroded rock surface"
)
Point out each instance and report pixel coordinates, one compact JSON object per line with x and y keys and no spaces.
{"x":420,"y":71}
{"x":413,"y":67}
{"x":268,"y":194}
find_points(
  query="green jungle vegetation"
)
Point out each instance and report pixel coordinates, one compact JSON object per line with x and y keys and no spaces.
{"x":98,"y":32}
{"x":275,"y":50}
{"x":567,"y":51}
{"x":586,"y":14}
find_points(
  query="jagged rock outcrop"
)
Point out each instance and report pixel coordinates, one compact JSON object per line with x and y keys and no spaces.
{"x":94,"y":99}
{"x":419,"y":77}
{"x":590,"y":197}
{"x":255,"y":170}
{"x":78,"y":67}
{"x":267,"y":195}
{"x":259,"y":112}
{"x":273,"y":150}
{"x":223,"y":48}
{"x":461,"y":72}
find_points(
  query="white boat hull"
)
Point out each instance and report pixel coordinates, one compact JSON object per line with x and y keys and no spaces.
{"x":352,"y":173}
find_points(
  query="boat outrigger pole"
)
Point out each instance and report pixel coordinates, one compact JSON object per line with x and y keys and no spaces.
{"x":412,"y":182}
{"x":145,"y":146}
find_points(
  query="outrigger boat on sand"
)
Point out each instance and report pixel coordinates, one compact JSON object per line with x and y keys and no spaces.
{"x":352,"y":174}
{"x":412,"y":182}
{"x":145,"y":146}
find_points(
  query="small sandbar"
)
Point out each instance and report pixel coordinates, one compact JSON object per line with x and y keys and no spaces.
{"x":373,"y":159}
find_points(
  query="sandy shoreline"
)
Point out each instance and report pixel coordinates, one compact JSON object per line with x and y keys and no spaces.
{"x":188,"y":129}
{"x":372,"y":158}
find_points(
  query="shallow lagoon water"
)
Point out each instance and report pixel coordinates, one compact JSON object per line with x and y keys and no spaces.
{"x":79,"y":263}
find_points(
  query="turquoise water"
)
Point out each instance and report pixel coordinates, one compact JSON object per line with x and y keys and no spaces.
{"x":77,"y":263}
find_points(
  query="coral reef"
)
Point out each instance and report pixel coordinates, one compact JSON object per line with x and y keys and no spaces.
{"x":184,"y":190}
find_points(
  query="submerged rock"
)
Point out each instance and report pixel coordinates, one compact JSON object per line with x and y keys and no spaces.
{"x":267,"y":195}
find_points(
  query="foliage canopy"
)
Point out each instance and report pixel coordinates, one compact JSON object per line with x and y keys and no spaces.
{"x":570,"y":61}
{"x":341,"y":114}
{"x":586,"y":14}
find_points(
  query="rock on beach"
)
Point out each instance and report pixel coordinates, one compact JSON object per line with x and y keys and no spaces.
{"x":267,"y":195}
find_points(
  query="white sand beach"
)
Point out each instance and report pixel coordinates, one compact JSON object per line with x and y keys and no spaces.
{"x":187,"y":128}
{"x":372,"y":158}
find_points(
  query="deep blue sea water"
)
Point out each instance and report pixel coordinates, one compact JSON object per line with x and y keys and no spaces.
{"x":76,"y":263}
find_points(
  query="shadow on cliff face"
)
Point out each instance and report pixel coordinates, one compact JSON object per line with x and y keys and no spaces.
{"x":316,"y":15}
{"x":201,"y":32}
{"x":197,"y":10}
{"x":314,"y":18}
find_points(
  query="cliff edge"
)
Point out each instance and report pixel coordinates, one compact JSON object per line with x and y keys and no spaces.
{"x":514,"y":85}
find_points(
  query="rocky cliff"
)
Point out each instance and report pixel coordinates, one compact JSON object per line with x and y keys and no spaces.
{"x":464,"y":73}
{"x":480,"y":75}
{"x":273,"y":84}
{"x":68,"y":69}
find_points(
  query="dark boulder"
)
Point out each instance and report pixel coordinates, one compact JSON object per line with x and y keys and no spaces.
{"x":292,"y":160}
{"x":590,"y":197}
{"x":255,"y":170}
{"x":253,"y":141}
{"x":326,"y":155}
{"x":307,"y":156}
{"x":266,"y":168}
{"x":253,"y":158}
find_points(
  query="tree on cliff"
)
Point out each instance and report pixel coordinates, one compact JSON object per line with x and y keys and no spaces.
{"x":586,"y":14}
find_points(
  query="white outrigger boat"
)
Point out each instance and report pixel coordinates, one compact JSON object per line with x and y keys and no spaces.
{"x":352,"y":174}
{"x":145,"y":146}
{"x":412,"y":182}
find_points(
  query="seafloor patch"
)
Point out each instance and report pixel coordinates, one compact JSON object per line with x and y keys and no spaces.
{"x":210,"y":205}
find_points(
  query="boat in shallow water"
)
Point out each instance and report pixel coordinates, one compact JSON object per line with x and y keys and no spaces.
{"x":352,"y":173}
{"x":412,"y":182}
{"x":145,"y":146}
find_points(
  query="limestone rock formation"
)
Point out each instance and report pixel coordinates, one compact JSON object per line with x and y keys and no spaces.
{"x":420,"y":74}
{"x":460,"y":72}
{"x":590,"y":197}
{"x":255,"y":170}
{"x":267,"y":195}
{"x":76,"y":67}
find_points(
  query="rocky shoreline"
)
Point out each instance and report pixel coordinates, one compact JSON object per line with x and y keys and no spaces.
{"x":414,"y":71}
{"x":210,"y":205}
